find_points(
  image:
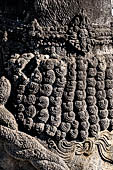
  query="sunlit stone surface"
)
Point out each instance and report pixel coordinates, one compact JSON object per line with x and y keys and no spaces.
{"x":56,"y":85}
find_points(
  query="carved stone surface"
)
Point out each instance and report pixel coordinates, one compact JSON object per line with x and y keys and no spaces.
{"x":56,"y":85}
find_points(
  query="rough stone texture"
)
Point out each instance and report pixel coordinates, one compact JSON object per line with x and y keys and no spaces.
{"x":56,"y":85}
{"x":98,"y":11}
{"x":7,"y":161}
{"x":56,"y":12}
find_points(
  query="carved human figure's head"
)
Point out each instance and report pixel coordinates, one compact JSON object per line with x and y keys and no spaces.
{"x":5,"y":89}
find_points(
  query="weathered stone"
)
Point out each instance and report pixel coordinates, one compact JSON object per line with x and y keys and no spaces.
{"x":56,"y":85}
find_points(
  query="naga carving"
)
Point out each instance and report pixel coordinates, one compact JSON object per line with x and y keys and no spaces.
{"x":21,"y":145}
{"x":60,"y":89}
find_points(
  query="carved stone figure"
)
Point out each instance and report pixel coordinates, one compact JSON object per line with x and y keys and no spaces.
{"x":56,"y":87}
{"x":20,"y":145}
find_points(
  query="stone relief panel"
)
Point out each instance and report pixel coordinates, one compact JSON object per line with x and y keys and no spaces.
{"x":56,"y":95}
